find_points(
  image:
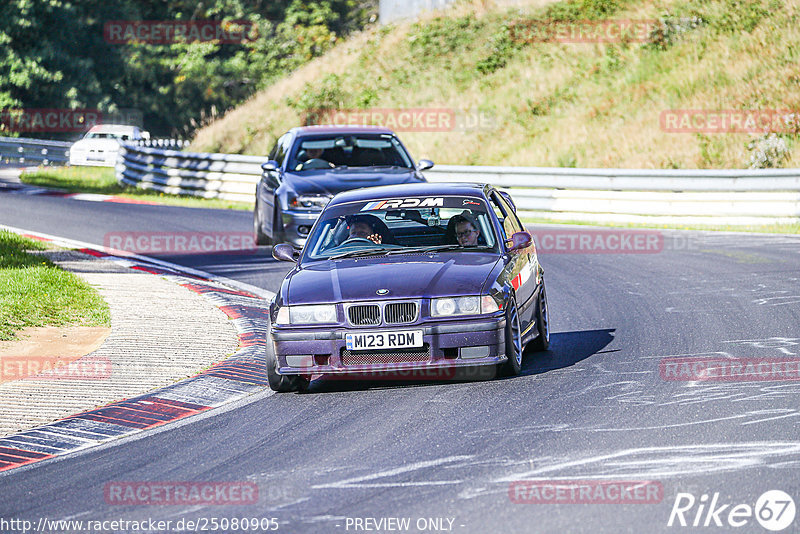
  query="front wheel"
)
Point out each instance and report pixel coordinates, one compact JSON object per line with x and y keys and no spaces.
{"x":261,"y":238}
{"x":542,"y":341}
{"x":513,"y":335}
{"x":282,"y":383}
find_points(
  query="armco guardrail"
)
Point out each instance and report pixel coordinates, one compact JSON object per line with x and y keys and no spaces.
{"x":742,"y":196}
{"x":623,"y":195}
{"x":225,"y":176}
{"x":163,"y":143}
{"x":26,"y":151}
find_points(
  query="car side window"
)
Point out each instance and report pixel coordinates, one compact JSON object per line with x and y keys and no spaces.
{"x":502,"y":211}
{"x":501,"y":216}
{"x":512,"y":223}
{"x":285,"y":147}
{"x":278,"y":152}
{"x":274,"y":150}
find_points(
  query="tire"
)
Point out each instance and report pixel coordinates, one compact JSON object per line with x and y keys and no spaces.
{"x":261,"y":238}
{"x":542,"y":341}
{"x":277,"y":226}
{"x":282,"y":383}
{"x":513,"y":335}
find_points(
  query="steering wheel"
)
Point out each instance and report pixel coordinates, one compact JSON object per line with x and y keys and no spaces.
{"x":352,"y":240}
{"x":317,"y":163}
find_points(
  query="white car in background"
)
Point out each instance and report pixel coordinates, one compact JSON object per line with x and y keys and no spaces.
{"x":100,"y":145}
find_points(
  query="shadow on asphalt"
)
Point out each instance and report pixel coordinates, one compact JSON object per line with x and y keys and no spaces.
{"x":566,"y":349}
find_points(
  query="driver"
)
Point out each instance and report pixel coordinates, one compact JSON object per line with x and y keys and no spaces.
{"x":311,"y":158}
{"x":313,"y":153}
{"x":365,"y":229}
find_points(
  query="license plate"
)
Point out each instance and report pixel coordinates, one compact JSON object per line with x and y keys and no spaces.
{"x":384,"y":340}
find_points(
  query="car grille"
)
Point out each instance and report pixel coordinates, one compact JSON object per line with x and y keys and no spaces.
{"x":356,"y":357}
{"x":393,"y":313}
{"x":364,"y":314}
{"x":400,"y":312}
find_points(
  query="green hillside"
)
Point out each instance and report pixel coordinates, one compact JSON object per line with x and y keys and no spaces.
{"x":546,"y":103}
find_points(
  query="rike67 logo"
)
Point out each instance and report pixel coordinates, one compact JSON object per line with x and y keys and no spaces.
{"x":774,"y":510}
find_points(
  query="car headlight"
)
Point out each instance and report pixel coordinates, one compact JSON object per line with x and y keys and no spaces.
{"x":318,"y":314}
{"x":309,"y":202}
{"x":283,"y":316}
{"x":463,"y":306}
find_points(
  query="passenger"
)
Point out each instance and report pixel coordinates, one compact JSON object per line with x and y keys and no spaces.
{"x":467,"y":232}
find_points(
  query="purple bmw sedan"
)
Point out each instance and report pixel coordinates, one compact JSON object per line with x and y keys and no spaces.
{"x":424,"y":277}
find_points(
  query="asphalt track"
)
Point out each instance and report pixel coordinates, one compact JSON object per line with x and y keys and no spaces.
{"x":593,"y":408}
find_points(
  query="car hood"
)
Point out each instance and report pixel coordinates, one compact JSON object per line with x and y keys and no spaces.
{"x":405,"y":276}
{"x":332,"y":181}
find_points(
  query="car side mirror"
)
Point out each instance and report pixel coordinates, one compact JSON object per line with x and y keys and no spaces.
{"x":285,"y":252}
{"x":270,"y":166}
{"x":424,"y":164}
{"x":519,"y":241}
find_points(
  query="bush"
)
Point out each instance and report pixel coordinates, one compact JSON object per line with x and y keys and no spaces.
{"x":317,"y":99}
{"x":670,"y":29}
{"x":577,"y":10}
{"x":768,"y":151}
{"x":741,"y":15}
{"x":444,"y":35}
{"x":502,"y":49}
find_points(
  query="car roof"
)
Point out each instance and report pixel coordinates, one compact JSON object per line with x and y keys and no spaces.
{"x":302,"y":131}
{"x":112,"y":128}
{"x":410,"y":190}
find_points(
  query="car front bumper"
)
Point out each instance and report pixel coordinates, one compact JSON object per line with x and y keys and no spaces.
{"x":450,"y":345}
{"x":297,"y":224}
{"x":95,"y":159}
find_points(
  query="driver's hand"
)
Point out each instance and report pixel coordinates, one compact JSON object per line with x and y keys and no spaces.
{"x":375,"y":238}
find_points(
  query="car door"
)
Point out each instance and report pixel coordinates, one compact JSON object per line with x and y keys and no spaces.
{"x":269,"y":183}
{"x":520,"y":266}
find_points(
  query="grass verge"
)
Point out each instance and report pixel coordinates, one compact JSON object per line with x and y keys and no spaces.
{"x":101,"y":180}
{"x":35,"y":292}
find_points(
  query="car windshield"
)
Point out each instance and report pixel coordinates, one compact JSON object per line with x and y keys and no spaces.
{"x":346,"y":151}
{"x":107,"y":135}
{"x":401,"y":226}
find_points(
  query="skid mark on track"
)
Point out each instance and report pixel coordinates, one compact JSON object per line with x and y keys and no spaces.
{"x":364,"y":481}
{"x":666,"y":462}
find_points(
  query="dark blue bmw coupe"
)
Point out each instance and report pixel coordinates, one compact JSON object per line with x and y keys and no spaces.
{"x":310,"y":164}
{"x":411,"y":277}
